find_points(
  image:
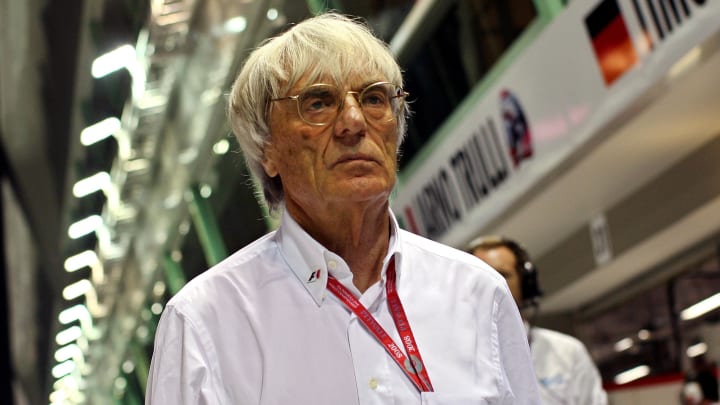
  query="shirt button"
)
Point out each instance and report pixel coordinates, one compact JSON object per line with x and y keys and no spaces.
{"x":373,"y":383}
{"x":332,"y":264}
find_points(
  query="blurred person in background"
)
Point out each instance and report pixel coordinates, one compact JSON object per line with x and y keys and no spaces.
{"x":701,"y":384}
{"x":565,"y":371}
{"x":337,"y":305}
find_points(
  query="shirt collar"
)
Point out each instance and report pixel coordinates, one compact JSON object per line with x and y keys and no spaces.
{"x":310,"y":261}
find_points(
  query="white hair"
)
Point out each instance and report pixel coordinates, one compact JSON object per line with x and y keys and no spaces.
{"x":328,"y":45}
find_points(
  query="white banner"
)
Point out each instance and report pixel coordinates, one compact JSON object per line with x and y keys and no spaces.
{"x":586,"y":67}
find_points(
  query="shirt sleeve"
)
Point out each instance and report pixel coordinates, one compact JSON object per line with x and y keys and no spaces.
{"x":514,"y":351}
{"x":587,"y":382}
{"x":180,"y":370}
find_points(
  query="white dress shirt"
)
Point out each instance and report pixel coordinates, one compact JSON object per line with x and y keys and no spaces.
{"x":565,"y":371}
{"x":261,"y":328}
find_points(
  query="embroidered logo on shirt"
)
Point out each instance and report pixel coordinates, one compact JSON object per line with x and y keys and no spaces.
{"x":314,"y":276}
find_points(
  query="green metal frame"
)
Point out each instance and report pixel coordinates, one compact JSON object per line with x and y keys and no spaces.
{"x":207,"y":228}
{"x":142,"y":365}
{"x":174,"y":274}
{"x":318,"y":6}
{"x":549,"y":9}
{"x":132,"y":397}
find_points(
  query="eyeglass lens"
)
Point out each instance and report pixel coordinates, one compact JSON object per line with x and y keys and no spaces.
{"x":320,"y":103}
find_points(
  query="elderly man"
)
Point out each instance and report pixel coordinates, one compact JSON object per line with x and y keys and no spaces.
{"x":339,"y":305}
{"x":565,"y":371}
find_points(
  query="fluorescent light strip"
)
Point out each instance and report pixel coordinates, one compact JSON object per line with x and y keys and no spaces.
{"x":58,"y":397}
{"x":696,"y":349}
{"x":97,"y":182}
{"x":700,"y":308}
{"x":236,"y":24}
{"x":632,"y":374}
{"x":80,"y":313}
{"x":112,"y":61}
{"x":68,"y":382}
{"x":77,"y":289}
{"x":623,"y":344}
{"x":68,"y":335}
{"x":99,"y":131}
{"x":66,"y":367}
{"x":85,"y":226}
{"x":87,"y":258}
{"x":71,"y":351}
{"x":77,"y":312}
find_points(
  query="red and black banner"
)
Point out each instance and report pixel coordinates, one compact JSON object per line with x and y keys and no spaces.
{"x":611,"y":40}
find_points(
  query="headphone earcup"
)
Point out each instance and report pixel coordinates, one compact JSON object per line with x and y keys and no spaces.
{"x":529,"y":283}
{"x":530,"y":286}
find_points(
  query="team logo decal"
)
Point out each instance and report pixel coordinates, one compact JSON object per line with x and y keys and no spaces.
{"x":517,"y":127}
{"x":314,"y":276}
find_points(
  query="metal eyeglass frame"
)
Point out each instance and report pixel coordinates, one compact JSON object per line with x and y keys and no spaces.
{"x":402,"y":94}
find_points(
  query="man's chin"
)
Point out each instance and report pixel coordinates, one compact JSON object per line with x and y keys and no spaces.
{"x":363,"y":189}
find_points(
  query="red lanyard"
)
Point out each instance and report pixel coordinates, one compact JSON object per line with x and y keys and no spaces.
{"x":415,"y":369}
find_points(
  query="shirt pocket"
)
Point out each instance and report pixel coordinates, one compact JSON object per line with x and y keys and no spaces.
{"x":443,"y":398}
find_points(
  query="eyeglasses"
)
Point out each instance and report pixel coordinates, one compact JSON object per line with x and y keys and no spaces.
{"x":320,"y":104}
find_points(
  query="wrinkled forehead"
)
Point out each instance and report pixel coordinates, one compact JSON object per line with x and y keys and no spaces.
{"x":341,"y":70}
{"x":349,"y":79}
{"x":353,"y":81}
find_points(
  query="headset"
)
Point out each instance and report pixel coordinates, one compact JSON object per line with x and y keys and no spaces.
{"x":529,"y":285}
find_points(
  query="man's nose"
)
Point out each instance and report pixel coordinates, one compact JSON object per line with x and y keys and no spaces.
{"x":351,"y":119}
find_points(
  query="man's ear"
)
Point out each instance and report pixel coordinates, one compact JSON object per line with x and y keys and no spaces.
{"x":268,"y":161}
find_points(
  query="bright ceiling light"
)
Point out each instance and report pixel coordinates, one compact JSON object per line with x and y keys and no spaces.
{"x":696,"y":349}
{"x":235,"y":24}
{"x":76,"y":289}
{"x":67,"y":336}
{"x":158,"y":288}
{"x":272,"y":14}
{"x":85,"y":226}
{"x":156,"y":308}
{"x":58,"y":397}
{"x":632,"y":374}
{"x":69,"y":382}
{"x":128,"y":366}
{"x":99,"y":131}
{"x":643,"y":334}
{"x":80,"y":313}
{"x":63,"y":368}
{"x":67,"y":352}
{"x":623,"y":344}
{"x":112,"y":61}
{"x":700,"y":308}
{"x":120,"y":384}
{"x":74,"y":313}
{"x":205,"y":191}
{"x":96,"y":182}
{"x":87,"y":258}
{"x":221,"y":147}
